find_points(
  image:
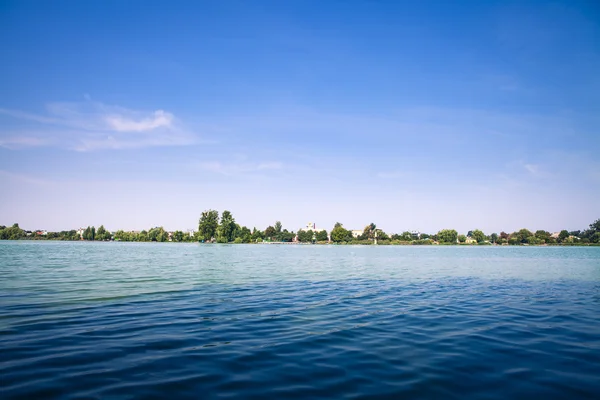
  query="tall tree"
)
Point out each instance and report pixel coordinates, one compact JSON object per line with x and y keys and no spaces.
{"x":447,"y":236}
{"x":207,"y":226}
{"x":227,"y":227}
{"x":478,"y":235}
{"x":102,"y":233}
{"x":270,"y":232}
{"x":340,"y":234}
{"x":369,"y":231}
{"x":278,"y":226}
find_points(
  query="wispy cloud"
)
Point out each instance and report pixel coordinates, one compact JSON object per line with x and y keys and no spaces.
{"x":91,"y":125}
{"x":123,"y":124}
{"x":18,"y":141}
{"x":533,"y":169}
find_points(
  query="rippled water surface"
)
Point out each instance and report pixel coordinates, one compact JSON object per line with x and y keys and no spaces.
{"x":125,"y":320}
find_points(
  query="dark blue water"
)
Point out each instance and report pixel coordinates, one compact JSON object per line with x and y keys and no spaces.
{"x":111,"y":320}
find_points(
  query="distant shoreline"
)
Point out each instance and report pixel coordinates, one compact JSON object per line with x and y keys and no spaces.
{"x":213,"y":228}
{"x":482,"y":245}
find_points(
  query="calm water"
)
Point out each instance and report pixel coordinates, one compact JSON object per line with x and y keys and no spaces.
{"x":124,"y":320}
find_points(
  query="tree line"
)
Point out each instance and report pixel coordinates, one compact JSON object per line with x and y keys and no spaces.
{"x":225,"y":229}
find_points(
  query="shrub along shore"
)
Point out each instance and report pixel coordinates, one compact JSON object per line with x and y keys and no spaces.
{"x":213,"y":228}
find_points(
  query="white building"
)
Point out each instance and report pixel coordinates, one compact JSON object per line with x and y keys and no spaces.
{"x":311,"y":226}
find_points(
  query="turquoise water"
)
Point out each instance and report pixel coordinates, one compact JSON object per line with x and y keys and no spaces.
{"x":127,"y":320}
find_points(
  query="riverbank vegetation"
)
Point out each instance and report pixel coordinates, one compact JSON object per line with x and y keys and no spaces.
{"x":213,"y":228}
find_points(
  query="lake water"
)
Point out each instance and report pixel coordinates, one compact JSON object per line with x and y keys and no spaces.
{"x":127,"y":320}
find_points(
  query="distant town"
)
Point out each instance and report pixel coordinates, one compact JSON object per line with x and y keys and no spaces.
{"x":215,"y":228}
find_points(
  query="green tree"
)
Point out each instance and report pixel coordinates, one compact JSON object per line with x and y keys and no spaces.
{"x":278,"y":226}
{"x":462,"y":238}
{"x":89,"y":233}
{"x":257,"y":235}
{"x":142,"y":236}
{"x":305,"y":236}
{"x":593,"y":233}
{"x":102,"y":234}
{"x":340,"y":234}
{"x":14,"y":232}
{"x":286,"y":236}
{"x":270,"y":233}
{"x":322,"y":236}
{"x":405,"y":236}
{"x":542,"y":236}
{"x":178,"y":236}
{"x":563,"y":235}
{"x":381,"y":235}
{"x":207,"y":226}
{"x":158,"y":234}
{"x":368,"y":232}
{"x":521,"y":236}
{"x":244,"y":234}
{"x":494,"y":237}
{"x":447,"y":236}
{"x":226,"y":231}
{"x":478,"y":235}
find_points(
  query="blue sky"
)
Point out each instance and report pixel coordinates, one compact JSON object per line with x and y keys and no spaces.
{"x":413,"y":115}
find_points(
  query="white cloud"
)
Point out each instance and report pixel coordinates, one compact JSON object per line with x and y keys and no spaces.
{"x":123,"y":124}
{"x":93,"y":125}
